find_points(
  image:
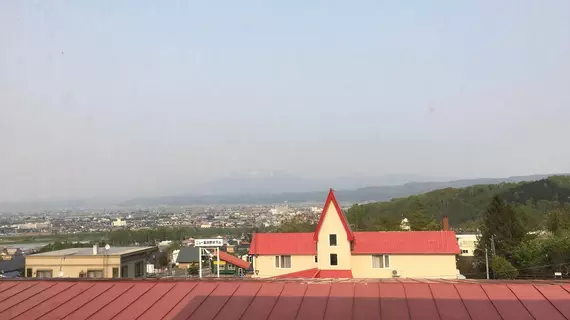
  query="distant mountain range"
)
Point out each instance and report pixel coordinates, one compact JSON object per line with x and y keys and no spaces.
{"x":273,"y":188}
{"x":281,"y":182}
{"x":360,"y":195}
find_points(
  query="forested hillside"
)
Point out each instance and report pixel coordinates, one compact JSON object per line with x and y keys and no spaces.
{"x":464,"y":206}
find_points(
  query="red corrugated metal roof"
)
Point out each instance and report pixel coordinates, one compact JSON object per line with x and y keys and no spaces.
{"x":301,"y":243}
{"x":309,"y":273}
{"x":232,"y":300}
{"x":234,"y":260}
{"x":405,"y":242}
{"x":316,"y":273}
{"x":331,"y":199}
{"x":335,"y":274}
{"x":390,"y":242}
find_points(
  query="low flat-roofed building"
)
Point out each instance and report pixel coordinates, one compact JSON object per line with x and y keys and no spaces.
{"x":116,"y":262}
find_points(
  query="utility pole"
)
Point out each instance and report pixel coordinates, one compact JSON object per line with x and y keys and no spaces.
{"x":493,"y":251}
{"x":493,"y":245}
{"x":200,"y":261}
{"x":487,"y":263}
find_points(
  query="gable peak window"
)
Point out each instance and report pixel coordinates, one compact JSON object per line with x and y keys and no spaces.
{"x":332,"y":240}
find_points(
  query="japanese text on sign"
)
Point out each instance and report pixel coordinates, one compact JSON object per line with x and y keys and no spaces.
{"x":209,"y":242}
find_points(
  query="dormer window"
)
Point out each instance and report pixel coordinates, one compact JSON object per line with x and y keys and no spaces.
{"x":332,"y":240}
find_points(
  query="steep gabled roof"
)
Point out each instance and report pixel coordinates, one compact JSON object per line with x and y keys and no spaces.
{"x":301,"y":243}
{"x":331,"y":199}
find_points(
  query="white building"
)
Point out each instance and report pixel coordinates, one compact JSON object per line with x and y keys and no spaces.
{"x":119,"y":223}
{"x":467,"y":244}
{"x":405,"y":224}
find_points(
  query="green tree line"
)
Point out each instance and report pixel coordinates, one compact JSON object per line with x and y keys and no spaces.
{"x":465,"y":206}
{"x":516,"y":251}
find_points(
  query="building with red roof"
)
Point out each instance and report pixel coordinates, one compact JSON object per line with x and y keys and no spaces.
{"x":333,"y":250}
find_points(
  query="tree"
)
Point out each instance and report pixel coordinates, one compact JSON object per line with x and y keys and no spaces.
{"x":163,"y":259}
{"x":241,"y":251}
{"x":174,"y":246}
{"x":420,"y":222}
{"x":502,"y":228}
{"x":557,"y":221}
{"x":193,"y":270}
{"x":355,"y":216}
{"x":297,"y":223}
{"x":503,"y":269}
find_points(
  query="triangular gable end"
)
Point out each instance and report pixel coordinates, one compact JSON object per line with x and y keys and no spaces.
{"x":331,"y":199}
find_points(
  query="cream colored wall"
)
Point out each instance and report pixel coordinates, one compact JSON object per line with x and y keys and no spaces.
{"x":408,"y":266}
{"x":266,"y":265}
{"x":333,"y":225}
{"x":467,"y":242}
{"x":72,"y":266}
{"x":362,"y":268}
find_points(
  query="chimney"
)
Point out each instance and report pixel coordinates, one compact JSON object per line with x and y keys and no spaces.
{"x":95,"y":249}
{"x":445,"y":223}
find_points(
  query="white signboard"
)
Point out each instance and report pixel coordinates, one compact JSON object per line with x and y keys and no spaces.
{"x":209,"y":242}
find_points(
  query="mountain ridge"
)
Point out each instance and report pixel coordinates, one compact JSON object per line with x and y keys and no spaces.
{"x":366,"y":194}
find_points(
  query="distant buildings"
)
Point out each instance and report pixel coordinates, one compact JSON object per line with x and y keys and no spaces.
{"x":34,"y":226}
{"x":119,"y":223}
{"x":116,"y":262}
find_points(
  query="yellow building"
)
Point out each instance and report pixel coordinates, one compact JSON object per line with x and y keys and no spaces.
{"x":118,"y":262}
{"x":333,"y":250}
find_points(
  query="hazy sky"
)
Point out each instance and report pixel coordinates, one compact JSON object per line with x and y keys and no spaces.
{"x":103,"y":98}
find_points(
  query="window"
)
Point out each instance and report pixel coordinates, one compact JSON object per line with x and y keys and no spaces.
{"x":316,"y":259}
{"x":332,"y":240}
{"x":334,"y":259}
{"x":381,"y":262}
{"x":139,"y":269}
{"x":283,"y":262}
{"x":124,"y":271}
{"x":464,"y":251}
{"x":44,"y":274}
{"x":231,"y":266}
{"x":94,"y":273}
{"x":115,"y":272}
{"x":29,"y":273}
